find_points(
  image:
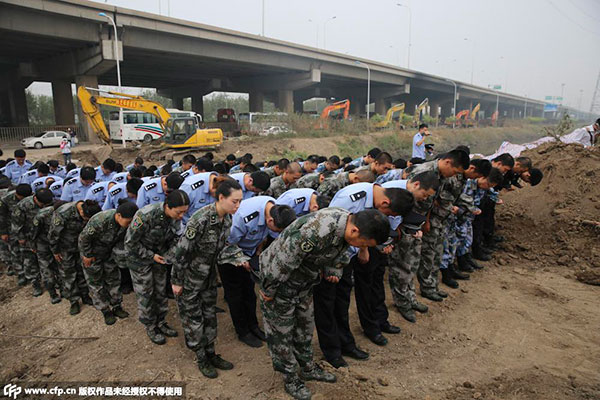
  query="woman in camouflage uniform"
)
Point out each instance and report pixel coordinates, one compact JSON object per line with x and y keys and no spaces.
{"x":194,"y":275}
{"x":154,"y":230}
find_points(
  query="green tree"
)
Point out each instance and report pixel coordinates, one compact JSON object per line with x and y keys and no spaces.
{"x":40,"y":109}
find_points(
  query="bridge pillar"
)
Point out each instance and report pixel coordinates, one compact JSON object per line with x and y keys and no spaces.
{"x":380,"y":106}
{"x":357,"y":106}
{"x":62,"y":97}
{"x":298,"y":105}
{"x":17,"y":106}
{"x":256,"y":100}
{"x":198,"y":104}
{"x":285,"y":101}
{"x":177,"y":102}
{"x":87,"y":81}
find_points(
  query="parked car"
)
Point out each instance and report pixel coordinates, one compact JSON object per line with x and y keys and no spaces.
{"x":45,"y":139}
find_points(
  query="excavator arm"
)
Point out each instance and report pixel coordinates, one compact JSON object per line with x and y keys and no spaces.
{"x":340,"y":105}
{"x":398,"y":108}
{"x":475,"y":111}
{"x":90,"y":107}
{"x":420,"y":108}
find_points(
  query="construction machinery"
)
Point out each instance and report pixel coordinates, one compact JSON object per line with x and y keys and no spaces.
{"x":338,"y":110}
{"x":389,"y":116}
{"x":471,"y":117}
{"x":418,"y":110}
{"x":179,"y":132}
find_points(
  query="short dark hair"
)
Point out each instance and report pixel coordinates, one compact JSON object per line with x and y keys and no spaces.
{"x":536,"y":176}
{"x":400,"y":163}
{"x":282,"y":215}
{"x":133,"y":185}
{"x":90,"y":208}
{"x":135,"y":172}
{"x":384,"y":158}
{"x":53,"y":163}
{"x":246,"y":160}
{"x":427,"y":180}
{"x":230,"y":157}
{"x":495,"y":176}
{"x":335,"y":160}
{"x":118,"y":167}
{"x":109,"y":164}
{"x":43,"y":169}
{"x":249,"y":155}
{"x":23,"y":190}
{"x":524,"y":161}
{"x":166,"y":169}
{"x":174,"y":180}
{"x":283,"y":163}
{"x":188,"y":159}
{"x":401,"y":200}
{"x":70,"y":166}
{"x":313,"y":159}
{"x":482,"y":166}
{"x":261,"y":180}
{"x":372,"y":224}
{"x":139,"y":160}
{"x":127,"y":209}
{"x":421,"y":126}
{"x":177,"y":198}
{"x":323,"y":201}
{"x":226,"y":186}
{"x":346,"y":160}
{"x":374,"y":152}
{"x":204,"y":164}
{"x":220,"y":168}
{"x":250,"y":168}
{"x":505,"y":159}
{"x":209,"y":155}
{"x":87,"y":173}
{"x":458,"y":158}
{"x":416,"y":160}
{"x":44,"y":196}
{"x":19,"y":153}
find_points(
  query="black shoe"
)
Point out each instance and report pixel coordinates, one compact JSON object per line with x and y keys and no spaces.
{"x":10,"y":272}
{"x":126,"y":289}
{"x":156,"y":336}
{"x":337,"y":362}
{"x":37,"y":289}
{"x":433,"y":296}
{"x":119,"y":312}
{"x":355,"y":353}
{"x":256,"y":331}
{"x":447,"y":279}
{"x":441,"y":293}
{"x":474,"y":264}
{"x":420,"y":307}
{"x":463,"y":264}
{"x":86,"y":299}
{"x":480,"y":255}
{"x":408,"y":315}
{"x":498,"y":238}
{"x":207,"y":369}
{"x":378,"y":339}
{"x":167,"y":330}
{"x":22,"y":281}
{"x":391,"y":329}
{"x":219,"y":310}
{"x":251,"y":340}
{"x":54,"y":297}
{"x":219,"y":363}
{"x":75,"y":308}
{"x":459,"y":275}
{"x":109,"y":317}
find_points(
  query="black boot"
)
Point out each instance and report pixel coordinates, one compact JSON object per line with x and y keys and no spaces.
{"x":37,"y":288}
{"x":463,"y":264}
{"x":447,"y":279}
{"x":474,"y":264}
{"x":457,"y":274}
{"x":480,"y":255}
{"x":54,"y":297}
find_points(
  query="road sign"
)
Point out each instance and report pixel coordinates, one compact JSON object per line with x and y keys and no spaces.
{"x":497,"y":87}
{"x":550,"y":107}
{"x":559,"y":98}
{"x":548,"y":98}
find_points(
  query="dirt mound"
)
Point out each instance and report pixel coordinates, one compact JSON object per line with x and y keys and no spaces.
{"x":556,"y":222}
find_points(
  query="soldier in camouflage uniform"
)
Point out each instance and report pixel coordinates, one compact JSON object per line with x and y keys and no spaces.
{"x":330,"y":187}
{"x":450,"y":164}
{"x":103,"y":232}
{"x":48,"y":265}
{"x":194,"y":274}
{"x":22,"y":224}
{"x":312,"y":181}
{"x":67,"y":223}
{"x":154,"y":230}
{"x":4,"y":249}
{"x":8,"y":202}
{"x":283,"y":182}
{"x":313,"y":246}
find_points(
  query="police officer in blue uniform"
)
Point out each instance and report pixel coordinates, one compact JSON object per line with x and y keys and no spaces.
{"x":201,"y":189}
{"x":106,"y":171}
{"x":99,"y":191}
{"x":302,"y":201}
{"x":250,"y":226}
{"x":56,"y":188}
{"x":76,"y":188}
{"x":56,"y":169}
{"x":155,"y":190}
{"x":126,"y":190}
{"x":252,"y":183}
{"x":44,"y":182}
{"x":74,"y":173}
{"x":17,"y":167}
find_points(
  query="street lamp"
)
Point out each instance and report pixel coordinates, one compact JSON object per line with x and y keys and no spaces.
{"x":263,"y":18}
{"x":317,"y":25}
{"x":368,"y":89}
{"x":325,"y":31}
{"x":409,"y":31}
{"x":454,"y":109}
{"x":116,"y":53}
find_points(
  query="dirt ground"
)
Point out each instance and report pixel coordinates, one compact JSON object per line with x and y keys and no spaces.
{"x":523,"y":328}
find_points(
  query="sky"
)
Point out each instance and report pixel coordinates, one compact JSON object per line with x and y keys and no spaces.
{"x":529,"y":47}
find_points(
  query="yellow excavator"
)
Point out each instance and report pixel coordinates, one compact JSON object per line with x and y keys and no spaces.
{"x":180,"y":132}
{"x":420,"y":107}
{"x":389,"y":116}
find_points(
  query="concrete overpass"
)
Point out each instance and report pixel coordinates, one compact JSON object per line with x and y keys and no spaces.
{"x":66,"y":41}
